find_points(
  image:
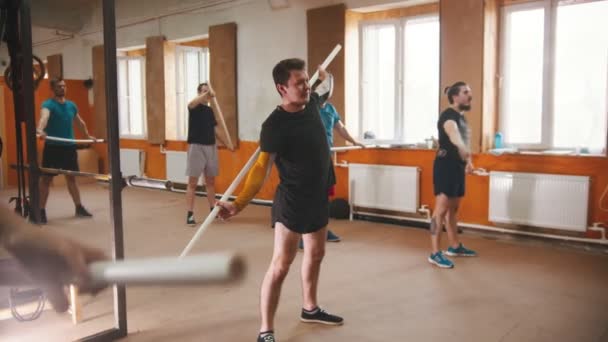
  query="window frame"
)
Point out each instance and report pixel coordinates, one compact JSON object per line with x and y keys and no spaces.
{"x":549,"y":69}
{"x":144,"y":115}
{"x":399,"y":116}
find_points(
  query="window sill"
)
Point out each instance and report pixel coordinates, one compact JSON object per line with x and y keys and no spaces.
{"x":133,"y":137}
{"x":560,"y":153}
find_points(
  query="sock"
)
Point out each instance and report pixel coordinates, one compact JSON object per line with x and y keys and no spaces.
{"x":313,"y":311}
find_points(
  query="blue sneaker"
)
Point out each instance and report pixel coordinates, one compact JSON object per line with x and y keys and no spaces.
{"x":460,"y":251}
{"x":440,"y":260}
{"x":331,"y":237}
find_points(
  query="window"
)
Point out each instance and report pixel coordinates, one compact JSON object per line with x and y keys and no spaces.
{"x":192,"y":68}
{"x":400,"y":79}
{"x":555,"y":75}
{"x":131,"y":97}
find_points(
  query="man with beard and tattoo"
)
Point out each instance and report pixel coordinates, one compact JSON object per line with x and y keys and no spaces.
{"x":452,"y":161}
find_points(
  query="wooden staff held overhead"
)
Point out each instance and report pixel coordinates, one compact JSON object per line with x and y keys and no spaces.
{"x":220,"y":118}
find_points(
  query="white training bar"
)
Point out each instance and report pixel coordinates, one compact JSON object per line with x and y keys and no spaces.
{"x":195,"y":269}
{"x":325,"y":63}
{"x":76,"y":141}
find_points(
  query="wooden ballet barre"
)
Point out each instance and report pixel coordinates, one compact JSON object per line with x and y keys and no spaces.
{"x":350,"y":148}
{"x":131,"y":181}
{"x":97,"y":176}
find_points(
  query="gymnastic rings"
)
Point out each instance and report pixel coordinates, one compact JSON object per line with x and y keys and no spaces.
{"x":38,"y":74}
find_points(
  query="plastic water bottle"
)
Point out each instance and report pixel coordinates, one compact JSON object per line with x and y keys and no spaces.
{"x":498,"y":140}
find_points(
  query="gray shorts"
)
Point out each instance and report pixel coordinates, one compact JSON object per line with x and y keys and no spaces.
{"x":202,"y":159}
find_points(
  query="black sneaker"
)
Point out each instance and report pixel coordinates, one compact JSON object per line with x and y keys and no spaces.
{"x":43,"y":216}
{"x":319,"y":315}
{"x":267,"y":336}
{"x":190,"y":220}
{"x":82,"y":212}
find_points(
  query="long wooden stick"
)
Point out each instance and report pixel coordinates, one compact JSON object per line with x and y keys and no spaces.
{"x":223,"y":123}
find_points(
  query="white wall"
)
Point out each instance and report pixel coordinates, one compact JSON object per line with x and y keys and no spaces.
{"x":264,"y":37}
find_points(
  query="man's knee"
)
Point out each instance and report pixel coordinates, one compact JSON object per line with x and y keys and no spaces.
{"x":209,"y":180}
{"x":317,"y":254}
{"x":280,"y":267}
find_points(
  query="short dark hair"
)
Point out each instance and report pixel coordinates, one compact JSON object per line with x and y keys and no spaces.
{"x":282,"y":71}
{"x":55,"y":80}
{"x":200,"y":86}
{"x":453,"y":90}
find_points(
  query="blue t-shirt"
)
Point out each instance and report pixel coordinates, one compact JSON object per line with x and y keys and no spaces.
{"x":61,"y":120}
{"x":330,"y":117}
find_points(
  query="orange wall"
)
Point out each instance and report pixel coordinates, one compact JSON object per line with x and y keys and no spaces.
{"x":474,"y":208}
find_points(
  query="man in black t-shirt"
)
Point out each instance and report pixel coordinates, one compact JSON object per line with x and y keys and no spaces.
{"x":202,"y":150}
{"x":453,"y":160}
{"x":293,"y":137}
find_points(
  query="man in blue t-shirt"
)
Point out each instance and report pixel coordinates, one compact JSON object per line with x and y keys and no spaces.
{"x":332,"y":121}
{"x":57,"y":117}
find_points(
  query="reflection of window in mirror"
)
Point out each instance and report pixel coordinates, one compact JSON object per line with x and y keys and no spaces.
{"x":192,"y":69}
{"x":132,"y":97}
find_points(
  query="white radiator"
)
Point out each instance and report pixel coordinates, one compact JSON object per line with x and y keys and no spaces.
{"x":541,"y":200}
{"x":384,"y":187}
{"x":132,"y":162}
{"x":176,"y":166}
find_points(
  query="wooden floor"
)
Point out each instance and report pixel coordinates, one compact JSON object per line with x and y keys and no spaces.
{"x":377,"y":278}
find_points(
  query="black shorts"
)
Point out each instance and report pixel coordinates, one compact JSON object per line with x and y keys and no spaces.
{"x":62,"y":157}
{"x":300,"y":213}
{"x":449,"y":177}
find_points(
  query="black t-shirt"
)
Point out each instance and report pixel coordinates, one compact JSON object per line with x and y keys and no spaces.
{"x":201,"y":125}
{"x":446,"y":148}
{"x":304,"y":165}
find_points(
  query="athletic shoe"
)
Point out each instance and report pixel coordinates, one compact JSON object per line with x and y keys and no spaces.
{"x":82,"y":212}
{"x":319,"y":315}
{"x":440,"y":260}
{"x":43,"y":216}
{"x":460,"y":251}
{"x":331,"y":237}
{"x":267,"y":336}
{"x":190,"y":219}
